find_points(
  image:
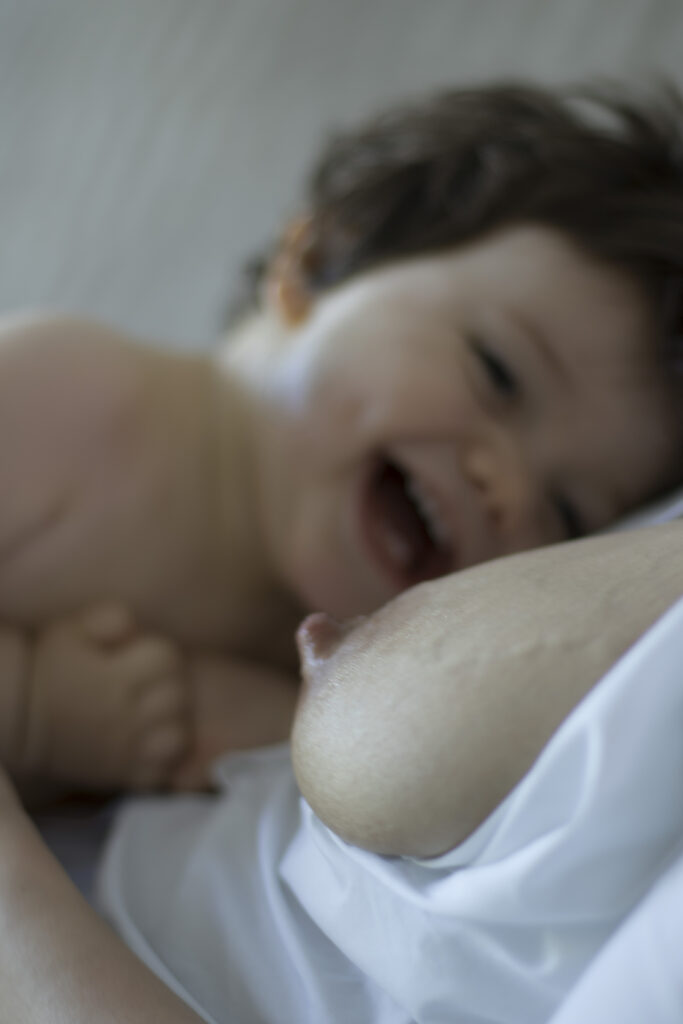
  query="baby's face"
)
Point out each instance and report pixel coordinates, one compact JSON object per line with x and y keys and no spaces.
{"x":450,"y":409}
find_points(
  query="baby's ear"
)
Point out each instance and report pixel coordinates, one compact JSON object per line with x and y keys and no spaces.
{"x":288,"y":290}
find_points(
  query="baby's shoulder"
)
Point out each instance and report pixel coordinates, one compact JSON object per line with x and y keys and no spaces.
{"x":66,"y":368}
{"x":71,"y":394}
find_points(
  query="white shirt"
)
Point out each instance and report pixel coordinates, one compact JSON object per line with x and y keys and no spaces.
{"x":253,"y":911}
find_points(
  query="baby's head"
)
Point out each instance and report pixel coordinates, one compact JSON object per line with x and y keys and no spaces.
{"x":468,"y":338}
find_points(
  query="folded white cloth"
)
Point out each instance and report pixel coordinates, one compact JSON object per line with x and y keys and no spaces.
{"x":638,"y":977}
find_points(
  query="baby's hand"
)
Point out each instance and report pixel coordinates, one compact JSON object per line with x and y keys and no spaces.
{"x":108,"y":705}
{"x":236,"y":704}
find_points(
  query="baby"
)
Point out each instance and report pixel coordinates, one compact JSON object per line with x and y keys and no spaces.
{"x":460,"y":349}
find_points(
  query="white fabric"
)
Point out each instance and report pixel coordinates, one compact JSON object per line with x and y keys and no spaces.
{"x":250,"y":908}
{"x":638,"y":978}
{"x":192,"y":886}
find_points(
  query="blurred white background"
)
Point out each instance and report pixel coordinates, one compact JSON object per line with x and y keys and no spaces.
{"x":148,"y":146}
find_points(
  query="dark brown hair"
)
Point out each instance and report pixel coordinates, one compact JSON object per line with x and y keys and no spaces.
{"x":599,"y":163}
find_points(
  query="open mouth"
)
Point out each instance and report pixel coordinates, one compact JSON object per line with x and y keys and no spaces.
{"x":404,"y":527}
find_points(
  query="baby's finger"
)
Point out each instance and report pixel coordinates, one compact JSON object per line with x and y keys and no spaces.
{"x":157,"y":755}
{"x":193,"y":774}
{"x":149,"y":658}
{"x":164,"y":745}
{"x":165,"y":698}
{"x":110,"y":623}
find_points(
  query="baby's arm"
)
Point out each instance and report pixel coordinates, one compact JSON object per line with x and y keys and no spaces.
{"x":58,"y":960}
{"x":88,"y":702}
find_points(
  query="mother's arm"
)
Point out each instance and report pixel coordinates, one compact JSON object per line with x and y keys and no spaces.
{"x":59,"y":962}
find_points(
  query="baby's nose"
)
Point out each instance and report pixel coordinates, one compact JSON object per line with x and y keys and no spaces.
{"x":505,"y":490}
